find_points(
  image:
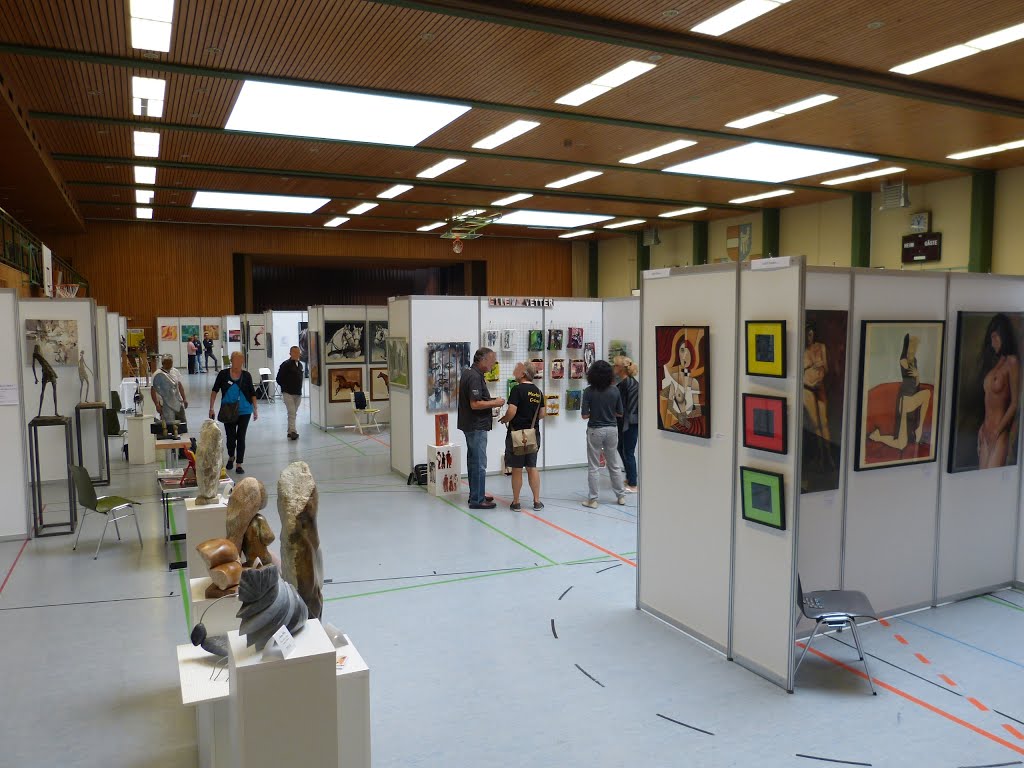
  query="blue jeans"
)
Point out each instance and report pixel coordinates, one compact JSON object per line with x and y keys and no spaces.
{"x":476,"y":464}
{"x":627,"y":450}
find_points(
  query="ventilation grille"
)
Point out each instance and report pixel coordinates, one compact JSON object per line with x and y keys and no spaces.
{"x":894,"y":195}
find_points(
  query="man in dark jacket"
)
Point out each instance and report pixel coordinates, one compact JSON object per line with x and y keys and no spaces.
{"x":475,"y":404}
{"x":289,"y":378}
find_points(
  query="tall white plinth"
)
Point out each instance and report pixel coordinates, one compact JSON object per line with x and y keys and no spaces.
{"x":444,"y":465}
{"x":284,"y":711}
{"x":204,"y":686}
{"x":148,"y":406}
{"x":202,"y":522}
{"x":353,"y":709}
{"x":141,"y":442}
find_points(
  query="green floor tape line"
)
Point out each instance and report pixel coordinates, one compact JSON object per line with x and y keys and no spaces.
{"x":595,"y":559}
{"x":181,"y":574}
{"x":437,"y":583}
{"x":1004,"y":603}
{"x":348,"y":445}
{"x":498,"y":530}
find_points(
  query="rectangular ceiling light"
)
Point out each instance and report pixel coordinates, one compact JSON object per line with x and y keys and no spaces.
{"x":147,"y":143}
{"x":664,"y":149}
{"x":328,"y":113}
{"x":337,"y":221}
{"x":148,"y":96}
{"x":154,"y":10}
{"x":145,"y":174}
{"x":775,"y":114}
{"x":509,"y":132}
{"x":752,"y":120}
{"x":395,"y":191}
{"x":361,"y":208}
{"x":681,"y":212}
{"x":996,"y":39}
{"x":473,"y":212}
{"x":762,"y":196}
{"x":513,"y":199}
{"x":552,"y":219}
{"x":144,"y":196}
{"x":955,"y":52}
{"x":147,"y":108}
{"x":438,"y":168}
{"x":603,"y":84}
{"x":735,"y":16}
{"x":430,"y":227}
{"x":582,"y":95}
{"x":577,"y":233}
{"x":150,"y":35}
{"x":240,"y":201}
{"x":621,"y":224}
{"x":569,"y":180}
{"x":862,"y":176}
{"x":759,"y":161}
{"x":144,"y":213}
{"x":987,"y":150}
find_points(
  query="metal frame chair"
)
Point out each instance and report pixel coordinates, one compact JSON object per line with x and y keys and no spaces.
{"x":108,"y":506}
{"x":836,"y":609}
{"x":267,"y":384}
{"x":360,"y":406}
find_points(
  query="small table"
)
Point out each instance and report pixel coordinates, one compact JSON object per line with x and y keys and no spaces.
{"x":173,"y":445}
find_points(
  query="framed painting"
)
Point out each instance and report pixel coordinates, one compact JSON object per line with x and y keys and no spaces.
{"x":684,"y":379}
{"x":763,"y":497}
{"x":575,"y":338}
{"x":508,"y":340}
{"x":824,"y":396}
{"x":314,"y":357}
{"x":257,"y":335}
{"x":555,"y":339}
{"x":57,"y":340}
{"x":985,"y":422}
{"x":898,"y":399}
{"x":441,"y":429}
{"x":491,"y":339}
{"x":380,"y":388}
{"x":558,"y":368}
{"x":234,"y":335}
{"x":446,"y":362}
{"x":577,"y":370}
{"x":168,"y":333}
{"x":345,"y":341}
{"x":495,"y":373}
{"x":342,"y":382}
{"x":188,"y":331}
{"x":573,"y":399}
{"x":538,"y":364}
{"x":551,"y":405}
{"x":212,"y":330}
{"x":766,"y":348}
{"x":536,"y":341}
{"x":589,"y":354}
{"x":617,"y":348}
{"x":764,"y":423}
{"x":378,"y":335}
{"x":304,"y":347}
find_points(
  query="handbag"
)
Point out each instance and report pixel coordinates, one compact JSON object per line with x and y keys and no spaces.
{"x":228,"y":413}
{"x":524,"y":441}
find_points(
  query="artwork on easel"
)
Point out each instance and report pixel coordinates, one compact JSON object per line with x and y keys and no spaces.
{"x":589,"y":354}
{"x":558,"y":368}
{"x":575,"y":339}
{"x":573,"y":399}
{"x":536,"y":340}
{"x":577,"y":369}
{"x":555,"y":338}
{"x":538,"y":364}
{"x":446,"y":362}
{"x":490,"y":339}
{"x":508,"y":340}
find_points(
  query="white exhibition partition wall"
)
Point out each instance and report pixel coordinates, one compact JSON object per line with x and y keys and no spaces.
{"x":14,"y":471}
{"x":341,"y":414}
{"x":185,"y":323}
{"x":174,"y":347}
{"x":114,"y":350}
{"x":316,"y":391}
{"x":232,"y":323}
{"x":99,"y":387}
{"x":285,"y":326}
{"x":399,"y":316}
{"x":256,"y":357}
{"x":621,"y":322}
{"x":374,"y":369}
{"x":216,"y":328}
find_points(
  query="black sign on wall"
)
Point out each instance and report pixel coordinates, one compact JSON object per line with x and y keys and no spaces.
{"x":923,"y":246}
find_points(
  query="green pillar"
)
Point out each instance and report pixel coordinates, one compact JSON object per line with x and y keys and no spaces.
{"x":770,"y":218}
{"x":643,"y":258}
{"x":700,"y":242}
{"x":592,"y":269}
{"x":983,"y":208}
{"x":860,"y":254}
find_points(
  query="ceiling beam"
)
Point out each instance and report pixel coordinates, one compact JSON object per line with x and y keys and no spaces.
{"x":598,"y":29}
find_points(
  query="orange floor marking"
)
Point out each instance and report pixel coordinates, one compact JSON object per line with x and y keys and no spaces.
{"x":947,"y":680}
{"x":580,"y":538}
{"x":1014,"y":731}
{"x":883,"y":622}
{"x":922,"y":658}
{"x":902,"y":639}
{"x":977,"y":703}
{"x":930,"y":707}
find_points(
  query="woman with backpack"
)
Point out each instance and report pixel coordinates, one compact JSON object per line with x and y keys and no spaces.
{"x":237,"y":406}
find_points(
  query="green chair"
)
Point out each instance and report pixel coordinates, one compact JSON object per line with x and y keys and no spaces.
{"x":108,"y":506}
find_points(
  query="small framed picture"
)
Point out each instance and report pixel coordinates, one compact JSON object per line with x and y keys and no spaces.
{"x":764,"y":423}
{"x":766,"y":348}
{"x":763,"y":500}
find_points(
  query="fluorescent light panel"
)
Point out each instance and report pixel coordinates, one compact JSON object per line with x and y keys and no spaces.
{"x":681,"y":212}
{"x":395,"y":191}
{"x":361,"y":208}
{"x":762,"y":196}
{"x":147,"y":108}
{"x":664,"y":149}
{"x":582,"y":95}
{"x":735,"y":16}
{"x":150,"y":35}
{"x":148,"y":96}
{"x":956,"y":52}
{"x":772,"y":163}
{"x":154,"y":10}
{"x":775,"y":114}
{"x":865,"y":175}
{"x":145,"y":174}
{"x":621,"y":224}
{"x":552,"y":219}
{"x":577,"y":233}
{"x":429,"y":227}
{"x":240,"y":201}
{"x":337,"y":221}
{"x":996,"y":39}
{"x":752,"y":120}
{"x":144,"y":196}
{"x":509,"y":132}
{"x":473,"y":212}
{"x":576,"y":179}
{"x":987,"y":150}
{"x":513,"y":199}
{"x":601,"y":85}
{"x":337,"y":114}
{"x":147,"y":143}
{"x":438,"y":168}
{"x":144,"y":213}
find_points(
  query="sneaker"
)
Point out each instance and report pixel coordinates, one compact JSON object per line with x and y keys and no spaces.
{"x":538,"y":506}
{"x":241,"y":471}
{"x":230,"y":464}
{"x":515,"y":506}
{"x":590,"y":503}
{"x":621,"y":501}
{"x":485,"y":505}
{"x":631,"y":489}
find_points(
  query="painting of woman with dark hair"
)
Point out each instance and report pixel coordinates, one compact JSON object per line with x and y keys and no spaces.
{"x":683,"y":404}
{"x":911,"y":403}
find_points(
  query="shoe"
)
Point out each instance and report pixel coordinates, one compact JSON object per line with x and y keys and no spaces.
{"x":485,"y":505}
{"x":621,"y":501}
{"x":631,"y":489}
{"x":515,"y":506}
{"x":538,"y":506}
{"x":240,"y":471}
{"x":590,"y":503}
{"x":230,"y":464}
{"x":295,"y":435}
{"x":488,"y":497}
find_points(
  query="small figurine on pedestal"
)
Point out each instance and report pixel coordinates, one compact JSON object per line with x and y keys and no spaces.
{"x":49,"y":377}
{"x":143,"y":361}
{"x":83,"y":377}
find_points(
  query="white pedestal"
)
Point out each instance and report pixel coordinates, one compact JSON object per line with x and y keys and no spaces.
{"x":141,"y":444}
{"x":353,"y":709}
{"x":444,"y":467}
{"x":148,"y":406}
{"x":210,"y":697}
{"x":202,"y":522}
{"x":285,"y":711}
{"x":220,"y":618}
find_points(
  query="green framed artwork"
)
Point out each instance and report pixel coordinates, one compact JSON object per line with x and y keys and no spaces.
{"x":766,"y":348}
{"x":763,"y":497}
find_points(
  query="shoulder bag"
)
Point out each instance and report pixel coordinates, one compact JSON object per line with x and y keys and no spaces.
{"x":228,"y":413}
{"x":524,"y":441}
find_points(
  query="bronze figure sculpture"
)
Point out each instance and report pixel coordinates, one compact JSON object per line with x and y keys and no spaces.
{"x":49,"y":377}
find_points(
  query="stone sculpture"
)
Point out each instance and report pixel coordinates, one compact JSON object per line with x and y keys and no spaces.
{"x":247,"y":529}
{"x":268,"y":603}
{"x":49,"y":377}
{"x":83,"y":378}
{"x":301,"y":559}
{"x":222,"y":562}
{"x":209,"y":462}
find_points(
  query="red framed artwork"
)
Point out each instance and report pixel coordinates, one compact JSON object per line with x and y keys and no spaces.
{"x":764,"y":423}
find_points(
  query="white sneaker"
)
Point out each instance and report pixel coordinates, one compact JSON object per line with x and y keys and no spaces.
{"x":590,"y":503}
{"x":621,"y":501}
{"x":631,"y":489}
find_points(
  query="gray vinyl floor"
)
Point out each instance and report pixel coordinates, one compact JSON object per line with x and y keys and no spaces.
{"x":495,"y":639}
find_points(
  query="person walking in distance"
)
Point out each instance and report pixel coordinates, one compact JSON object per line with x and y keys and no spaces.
{"x":475,"y":404}
{"x":190,"y":350}
{"x":289,"y":379}
{"x":208,"y":352}
{"x":235,"y":386}
{"x":525,"y":410}
{"x":602,"y":407}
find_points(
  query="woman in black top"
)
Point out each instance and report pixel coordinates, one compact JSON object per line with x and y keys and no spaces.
{"x":235,"y":386}
{"x":525,"y":405}
{"x":629,"y":424}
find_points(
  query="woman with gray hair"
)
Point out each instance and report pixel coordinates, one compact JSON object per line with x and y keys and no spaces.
{"x":525,"y":409}
{"x":629,"y":423}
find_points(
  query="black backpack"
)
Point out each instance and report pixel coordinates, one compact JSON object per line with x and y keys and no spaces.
{"x":418,"y":475}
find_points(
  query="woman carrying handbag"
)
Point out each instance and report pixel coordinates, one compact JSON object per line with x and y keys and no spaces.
{"x":237,"y":406}
{"x":522,"y":443}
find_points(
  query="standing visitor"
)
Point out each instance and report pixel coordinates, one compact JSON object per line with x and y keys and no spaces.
{"x":629,"y":424}
{"x":237,"y":394}
{"x":602,"y":407}
{"x":190,"y":350}
{"x":525,"y":410}
{"x":208,"y":351}
{"x":475,"y":404}
{"x":198,"y":348}
{"x":289,"y":379}
{"x":168,"y":395}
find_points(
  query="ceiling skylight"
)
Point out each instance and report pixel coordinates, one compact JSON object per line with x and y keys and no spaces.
{"x":395,"y":191}
{"x":775,"y":114}
{"x":239,"y":201}
{"x":509,"y":132}
{"x":145,"y":174}
{"x":151,"y":24}
{"x":361,"y":208}
{"x":325,"y":113}
{"x":551,"y":219}
{"x":147,"y":143}
{"x":603,"y":84}
{"x":621,"y":224}
{"x":513,"y":199}
{"x":144,"y":196}
{"x":430,"y":227}
{"x":866,"y":175}
{"x":736,"y":15}
{"x":144,"y":213}
{"x":971,"y":47}
{"x":762,"y":196}
{"x":759,"y":161}
{"x":438,"y":168}
{"x":577,"y":233}
{"x":148,"y":96}
{"x":337,"y":221}
{"x":576,"y":179}
{"x":681,"y":212}
{"x":664,"y":149}
{"x":987,"y":150}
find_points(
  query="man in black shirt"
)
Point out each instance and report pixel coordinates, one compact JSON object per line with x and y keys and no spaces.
{"x":208,"y":351}
{"x":289,"y":378}
{"x":475,"y":404}
{"x":525,"y":410}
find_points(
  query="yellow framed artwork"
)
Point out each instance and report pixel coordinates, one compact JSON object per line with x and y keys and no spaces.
{"x":766,"y":348}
